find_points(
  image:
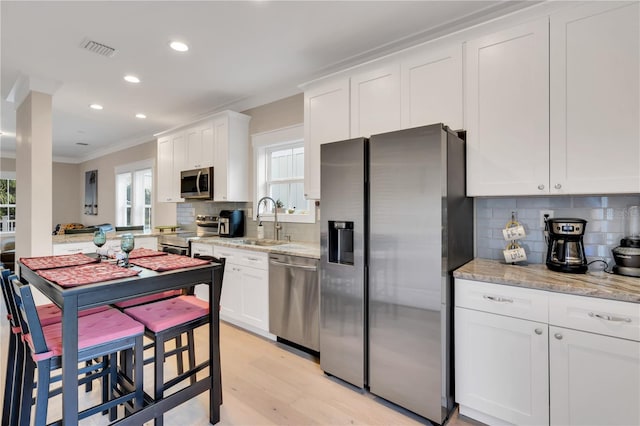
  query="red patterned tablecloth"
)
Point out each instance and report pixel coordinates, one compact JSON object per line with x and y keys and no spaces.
{"x":145,"y":252}
{"x":60,"y":261}
{"x":168,"y":262}
{"x":87,"y":274}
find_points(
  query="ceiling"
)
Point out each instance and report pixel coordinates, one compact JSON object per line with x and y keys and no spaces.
{"x":242,"y":54}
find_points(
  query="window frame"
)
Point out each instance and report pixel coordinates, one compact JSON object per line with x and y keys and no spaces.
{"x":9,"y":176}
{"x":264,"y":143}
{"x":132,"y":168}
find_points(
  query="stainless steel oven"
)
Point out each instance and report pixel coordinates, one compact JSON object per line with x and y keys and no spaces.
{"x":180,"y":242}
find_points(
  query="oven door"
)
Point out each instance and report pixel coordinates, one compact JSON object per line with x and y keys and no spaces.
{"x":169,"y":248}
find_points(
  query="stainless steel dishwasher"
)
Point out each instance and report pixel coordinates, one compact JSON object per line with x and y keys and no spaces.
{"x":294,"y":300}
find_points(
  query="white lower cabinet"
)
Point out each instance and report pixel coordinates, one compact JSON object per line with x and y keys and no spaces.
{"x":245,"y":289}
{"x":532,"y":357}
{"x":501,"y":369}
{"x":595,"y":379}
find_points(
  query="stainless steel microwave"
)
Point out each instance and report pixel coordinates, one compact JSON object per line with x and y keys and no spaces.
{"x":197,"y":183}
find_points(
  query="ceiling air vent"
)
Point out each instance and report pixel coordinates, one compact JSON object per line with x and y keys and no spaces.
{"x":99,"y":48}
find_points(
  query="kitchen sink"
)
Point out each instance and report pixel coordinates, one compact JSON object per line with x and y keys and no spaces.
{"x":263,"y":243}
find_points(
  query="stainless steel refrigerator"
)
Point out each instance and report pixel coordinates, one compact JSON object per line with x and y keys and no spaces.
{"x":395,"y":224}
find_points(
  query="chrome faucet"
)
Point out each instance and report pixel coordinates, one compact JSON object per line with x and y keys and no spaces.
{"x":276,"y":226}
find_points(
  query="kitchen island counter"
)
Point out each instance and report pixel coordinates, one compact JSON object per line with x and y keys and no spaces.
{"x":593,"y":284}
{"x":111,"y":235}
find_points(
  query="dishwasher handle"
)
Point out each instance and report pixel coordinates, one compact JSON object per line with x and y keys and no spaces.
{"x":293,"y":265}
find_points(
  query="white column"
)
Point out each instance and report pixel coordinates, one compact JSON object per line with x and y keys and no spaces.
{"x":34,"y":171}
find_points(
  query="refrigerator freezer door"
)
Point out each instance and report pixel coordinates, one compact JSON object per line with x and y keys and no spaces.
{"x":407,"y":198}
{"x":342,"y":266}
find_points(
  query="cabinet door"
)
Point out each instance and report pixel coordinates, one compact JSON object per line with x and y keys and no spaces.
{"x":375,"y":101}
{"x":231,"y":296}
{"x":199,"y":147}
{"x":220,"y":158}
{"x":432,"y":88}
{"x":165,"y":180}
{"x":595,"y":379}
{"x":326,"y":119}
{"x":595,"y":99}
{"x":507,"y":112}
{"x":255,"y":297}
{"x":501,"y":366}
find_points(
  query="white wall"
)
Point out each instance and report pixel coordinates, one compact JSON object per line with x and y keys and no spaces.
{"x":163,"y":213}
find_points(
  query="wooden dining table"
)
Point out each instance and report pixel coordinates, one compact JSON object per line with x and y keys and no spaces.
{"x":73,"y":299}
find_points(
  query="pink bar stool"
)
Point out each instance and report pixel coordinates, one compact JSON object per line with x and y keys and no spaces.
{"x":165,"y":320}
{"x":100,"y":335}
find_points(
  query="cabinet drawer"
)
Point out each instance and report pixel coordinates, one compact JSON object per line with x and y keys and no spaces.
{"x":240,"y":257}
{"x":73,"y":248}
{"x":608,"y":317}
{"x":253,"y":259}
{"x":502,"y":299}
{"x":202,"y":249}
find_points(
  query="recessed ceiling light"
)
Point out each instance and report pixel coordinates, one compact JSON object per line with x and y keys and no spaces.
{"x":141,"y":116}
{"x":132,"y":79}
{"x":95,"y":106}
{"x":179,"y":46}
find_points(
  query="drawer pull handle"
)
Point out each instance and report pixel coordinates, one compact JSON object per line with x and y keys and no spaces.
{"x":609,"y":317}
{"x":254,"y":259}
{"x":538,"y":331}
{"x":558,"y":336}
{"x":498,"y":299}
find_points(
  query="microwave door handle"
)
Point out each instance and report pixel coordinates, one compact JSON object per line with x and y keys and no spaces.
{"x":198,"y":181}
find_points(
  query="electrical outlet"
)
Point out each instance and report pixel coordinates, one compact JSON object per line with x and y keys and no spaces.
{"x":543,"y":213}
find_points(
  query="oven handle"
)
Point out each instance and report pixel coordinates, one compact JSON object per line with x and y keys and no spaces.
{"x":175,"y":250}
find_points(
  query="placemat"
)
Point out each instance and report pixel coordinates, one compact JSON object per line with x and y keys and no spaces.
{"x":87,"y":274}
{"x":145,"y":252}
{"x":60,"y":261}
{"x":168,"y":262}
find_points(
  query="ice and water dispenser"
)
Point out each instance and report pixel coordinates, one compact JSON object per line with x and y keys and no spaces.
{"x":341,"y":242}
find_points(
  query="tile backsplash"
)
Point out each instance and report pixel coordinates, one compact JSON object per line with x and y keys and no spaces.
{"x":605,"y":227}
{"x":186,"y":216}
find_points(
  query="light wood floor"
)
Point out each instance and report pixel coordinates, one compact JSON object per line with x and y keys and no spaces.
{"x":265,"y":383}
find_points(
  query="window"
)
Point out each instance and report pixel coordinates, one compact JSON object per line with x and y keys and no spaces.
{"x":7,"y":204}
{"x":134,"y":186}
{"x":279,"y":167}
{"x":285,"y":176}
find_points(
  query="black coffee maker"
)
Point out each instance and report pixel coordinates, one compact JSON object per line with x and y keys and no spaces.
{"x":565,"y":248}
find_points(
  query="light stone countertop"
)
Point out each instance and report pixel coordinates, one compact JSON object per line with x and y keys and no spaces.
{"x":538,"y":276}
{"x":111,"y":235}
{"x":294,"y":248}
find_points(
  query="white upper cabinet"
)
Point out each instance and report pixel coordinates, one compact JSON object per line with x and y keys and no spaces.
{"x":326,"y":119}
{"x":199,"y":146}
{"x":553,"y":106}
{"x":231,"y":156}
{"x":375,"y":101}
{"x":220,"y":141}
{"x":595,"y":98}
{"x":507,"y":111}
{"x":422,"y":88}
{"x":171,"y":160}
{"x":431,"y":88}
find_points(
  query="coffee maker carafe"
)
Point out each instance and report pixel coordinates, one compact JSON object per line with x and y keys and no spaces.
{"x":565,"y":250}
